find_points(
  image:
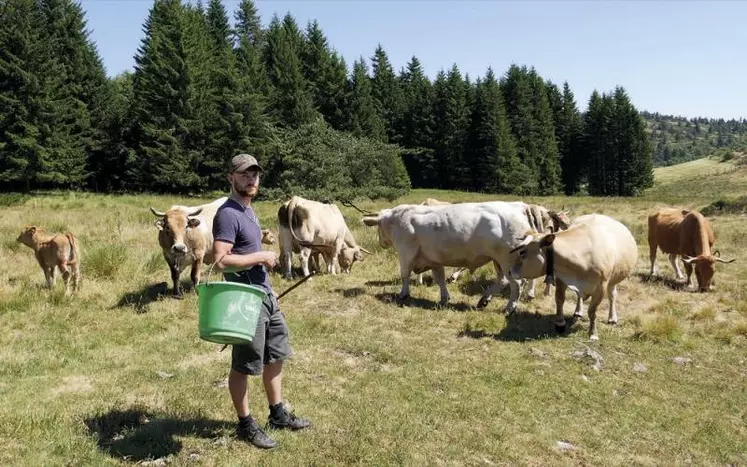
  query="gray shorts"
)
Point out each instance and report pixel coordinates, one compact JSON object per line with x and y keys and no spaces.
{"x":270,"y":344}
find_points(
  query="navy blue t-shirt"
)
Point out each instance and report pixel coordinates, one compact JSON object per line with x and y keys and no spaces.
{"x":235,"y":224}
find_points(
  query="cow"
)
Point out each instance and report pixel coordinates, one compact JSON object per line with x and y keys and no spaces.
{"x":591,"y":258}
{"x":307,"y":227}
{"x":434,"y":202}
{"x":544,"y":220}
{"x":52,"y":252}
{"x":467,"y":235}
{"x":685,"y":233}
{"x":185,"y":234}
{"x":540,"y":219}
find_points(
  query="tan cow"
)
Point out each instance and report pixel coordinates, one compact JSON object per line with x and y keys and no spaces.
{"x":687,"y":233}
{"x":308,"y":227}
{"x":52,"y":252}
{"x":591,"y":258}
{"x":185,"y":235}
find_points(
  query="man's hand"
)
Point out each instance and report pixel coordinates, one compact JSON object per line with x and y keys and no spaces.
{"x":269,"y":259}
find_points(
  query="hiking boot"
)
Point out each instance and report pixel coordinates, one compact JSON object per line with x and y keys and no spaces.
{"x":280,"y":419}
{"x":253,"y":433}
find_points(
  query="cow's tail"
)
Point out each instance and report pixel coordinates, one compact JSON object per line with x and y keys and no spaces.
{"x":74,"y":255}
{"x":291,"y":209}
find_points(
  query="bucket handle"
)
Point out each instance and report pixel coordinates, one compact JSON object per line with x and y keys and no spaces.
{"x":210,"y":271}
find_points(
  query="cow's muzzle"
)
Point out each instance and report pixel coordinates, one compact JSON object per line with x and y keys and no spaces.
{"x":179,"y":248}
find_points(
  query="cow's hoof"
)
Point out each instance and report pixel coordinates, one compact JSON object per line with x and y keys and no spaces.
{"x":578,"y":315}
{"x":483,"y":303}
{"x":593,"y":338}
{"x":401,"y":299}
{"x":177,"y":296}
{"x":530,"y":296}
{"x":612,"y":321}
{"x":559,"y":328}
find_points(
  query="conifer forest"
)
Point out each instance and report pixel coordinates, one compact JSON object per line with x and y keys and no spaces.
{"x":209,"y":83}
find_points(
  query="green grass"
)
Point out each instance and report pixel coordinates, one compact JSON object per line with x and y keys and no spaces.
{"x":383,"y":384}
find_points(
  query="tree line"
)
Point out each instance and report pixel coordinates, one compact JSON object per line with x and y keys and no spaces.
{"x":679,"y":139}
{"x":205,"y":88}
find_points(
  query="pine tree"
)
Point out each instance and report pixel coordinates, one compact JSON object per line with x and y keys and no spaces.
{"x":416,"y":125}
{"x":386,"y":93}
{"x":199,"y":68}
{"x":78,"y":91}
{"x":450,"y":129}
{"x":248,"y":24}
{"x":250,"y":40}
{"x":596,"y":127}
{"x":633,"y":166}
{"x":363,"y":121}
{"x":491,"y":148}
{"x":228,"y":136}
{"x":326,"y":74}
{"x":569,"y":132}
{"x":531,"y":122}
{"x":289,"y":99}
{"x":25,"y":66}
{"x":161,"y":103}
{"x":546,"y":147}
{"x":111,"y":169}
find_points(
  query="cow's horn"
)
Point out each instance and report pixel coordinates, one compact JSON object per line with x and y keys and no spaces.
{"x":157,"y":213}
{"x":194,"y":213}
{"x":688,"y":259}
{"x":365,"y":251}
{"x":526,"y":241}
{"x":727,"y":261}
{"x":717,"y":253}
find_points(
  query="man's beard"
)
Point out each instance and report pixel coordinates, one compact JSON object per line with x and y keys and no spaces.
{"x":244,"y":192}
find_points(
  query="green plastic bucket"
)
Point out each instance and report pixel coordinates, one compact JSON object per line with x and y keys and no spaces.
{"x":228,"y":311}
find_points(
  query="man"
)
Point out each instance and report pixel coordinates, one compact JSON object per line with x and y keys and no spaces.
{"x":238,"y":247}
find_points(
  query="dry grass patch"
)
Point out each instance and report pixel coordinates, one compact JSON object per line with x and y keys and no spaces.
{"x":415,"y":384}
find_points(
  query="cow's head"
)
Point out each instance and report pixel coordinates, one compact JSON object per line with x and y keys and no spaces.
{"x":173,"y":225}
{"x":28,"y":235}
{"x":705,"y":268}
{"x":268,"y":238}
{"x":376,"y":220}
{"x":528,"y":259}
{"x":560,"y":220}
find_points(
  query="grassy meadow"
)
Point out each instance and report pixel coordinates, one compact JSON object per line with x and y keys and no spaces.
{"x":118,"y":375}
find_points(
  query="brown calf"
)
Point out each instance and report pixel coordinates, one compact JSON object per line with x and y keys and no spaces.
{"x":54,"y":250}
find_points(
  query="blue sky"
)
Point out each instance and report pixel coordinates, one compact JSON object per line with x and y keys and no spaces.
{"x":674,"y":57}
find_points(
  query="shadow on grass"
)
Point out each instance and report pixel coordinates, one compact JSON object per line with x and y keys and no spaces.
{"x":352,"y":292}
{"x":670,"y":282}
{"x":480,"y":285}
{"x":523,"y":326}
{"x":391,"y":298}
{"x":381,"y":283}
{"x":140,"y":299}
{"x":134,"y":435}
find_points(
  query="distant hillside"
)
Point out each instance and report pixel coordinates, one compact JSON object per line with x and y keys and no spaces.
{"x":677,"y":139}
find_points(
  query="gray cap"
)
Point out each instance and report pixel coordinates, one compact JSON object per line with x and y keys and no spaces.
{"x":244,"y":162}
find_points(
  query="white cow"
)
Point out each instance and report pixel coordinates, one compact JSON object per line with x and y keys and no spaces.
{"x":465,"y":235}
{"x":594,"y":255}
{"x":308,"y":227}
